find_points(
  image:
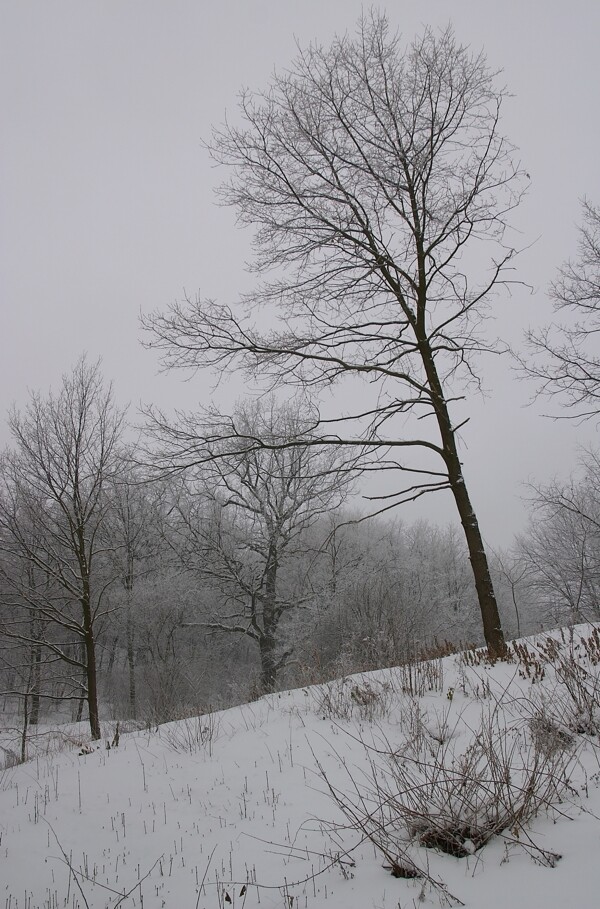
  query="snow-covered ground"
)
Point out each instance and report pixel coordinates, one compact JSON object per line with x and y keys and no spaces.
{"x":312,"y":797}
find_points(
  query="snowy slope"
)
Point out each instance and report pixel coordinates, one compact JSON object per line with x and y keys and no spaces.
{"x":235,"y":809}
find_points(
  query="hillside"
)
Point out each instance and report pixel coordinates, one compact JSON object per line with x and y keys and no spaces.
{"x":451,"y":782}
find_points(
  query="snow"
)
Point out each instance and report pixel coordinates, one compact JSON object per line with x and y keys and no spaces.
{"x":232,"y":810}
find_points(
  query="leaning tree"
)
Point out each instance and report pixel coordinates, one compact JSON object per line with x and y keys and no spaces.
{"x":378,"y":184}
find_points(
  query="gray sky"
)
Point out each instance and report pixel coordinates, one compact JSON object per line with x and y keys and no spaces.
{"x":107,"y":196}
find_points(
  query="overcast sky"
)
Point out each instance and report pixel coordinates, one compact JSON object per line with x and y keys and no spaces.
{"x":106,"y":200}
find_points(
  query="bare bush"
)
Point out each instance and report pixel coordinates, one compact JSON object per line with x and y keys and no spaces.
{"x":455,"y":800}
{"x":549,"y":735}
{"x":193,"y":734}
{"x":576,"y":665}
{"x":8,"y":758}
{"x":344,"y":698}
{"x":416,"y":678}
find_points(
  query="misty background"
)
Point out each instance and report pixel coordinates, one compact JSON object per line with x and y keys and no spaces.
{"x":108,"y":205}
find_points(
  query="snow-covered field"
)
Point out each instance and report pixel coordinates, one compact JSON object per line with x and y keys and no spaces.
{"x":313,"y":797}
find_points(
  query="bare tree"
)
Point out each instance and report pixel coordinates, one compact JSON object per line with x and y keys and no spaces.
{"x":566,"y":362}
{"x":27,"y":667}
{"x":173,"y":667}
{"x":240,"y":521}
{"x":52,"y":504}
{"x":373,"y":174}
{"x":561,"y":547}
{"x":132,"y":534}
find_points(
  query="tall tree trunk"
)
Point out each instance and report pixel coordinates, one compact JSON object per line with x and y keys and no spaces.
{"x":35,"y":684}
{"x":131,"y":659}
{"x":268,"y":668}
{"x":268,"y":673}
{"x":90,"y":668}
{"x":36,"y":657}
{"x":492,"y":626}
{"x":24,"y":728}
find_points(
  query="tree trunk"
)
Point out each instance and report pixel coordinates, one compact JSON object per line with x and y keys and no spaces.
{"x":90,"y":668}
{"x":35,"y":686}
{"x":112,"y":655}
{"x":268,"y":668}
{"x":24,"y":728}
{"x":492,"y":626}
{"x":268,"y":673}
{"x":131,"y":661}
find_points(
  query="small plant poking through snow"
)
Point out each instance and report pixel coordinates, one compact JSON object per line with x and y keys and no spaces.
{"x":193,"y":734}
{"x":348,"y":697}
{"x":418,"y":678}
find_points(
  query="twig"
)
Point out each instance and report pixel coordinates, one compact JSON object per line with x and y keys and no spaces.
{"x":205,"y":873}
{"x":122,"y":895}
